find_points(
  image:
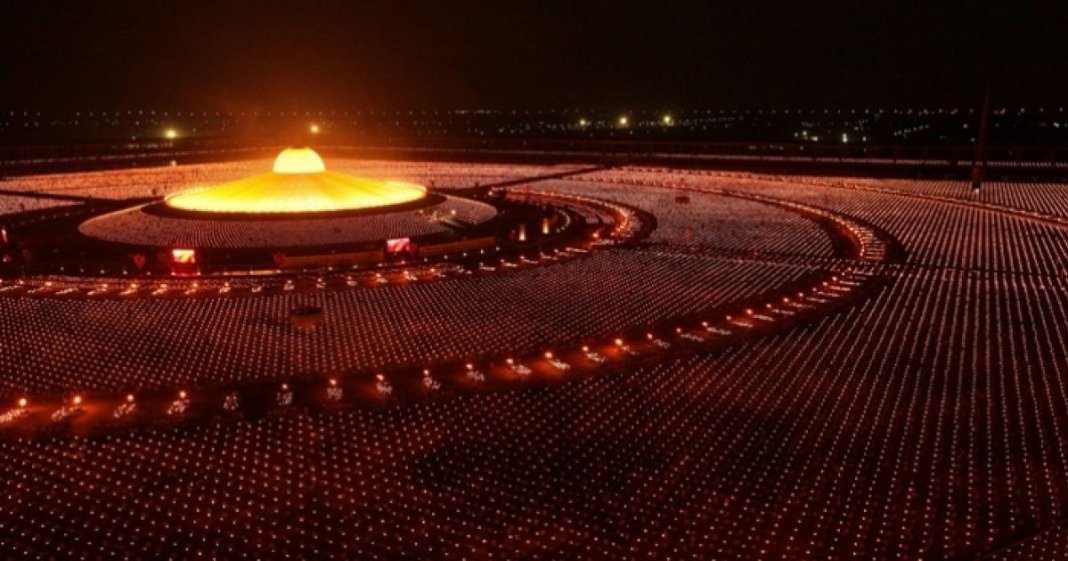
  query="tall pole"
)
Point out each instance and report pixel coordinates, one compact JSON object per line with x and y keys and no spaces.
{"x":987,"y":53}
{"x":979,"y":160}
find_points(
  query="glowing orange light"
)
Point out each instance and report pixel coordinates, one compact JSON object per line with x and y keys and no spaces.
{"x":130,"y":398}
{"x":333,"y":382}
{"x":181,"y":394}
{"x":549,"y":355}
{"x":170,"y":134}
{"x":313,"y":128}
{"x":23,"y":402}
{"x":77,"y":400}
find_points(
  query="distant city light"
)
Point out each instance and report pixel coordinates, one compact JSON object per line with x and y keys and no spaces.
{"x":668,"y":120}
{"x":313,"y":128}
{"x":170,"y":134}
{"x":623,"y":121}
{"x":583,"y":122}
{"x":845,"y":138}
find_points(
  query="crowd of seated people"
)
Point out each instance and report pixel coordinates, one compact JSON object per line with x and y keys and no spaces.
{"x":13,"y":204}
{"x":117,"y":345}
{"x":933,"y":232}
{"x":924,"y":422}
{"x":891,"y":431}
{"x":711,"y":221}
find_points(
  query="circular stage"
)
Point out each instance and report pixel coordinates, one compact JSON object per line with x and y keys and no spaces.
{"x":146,"y":225}
{"x":298,"y":204}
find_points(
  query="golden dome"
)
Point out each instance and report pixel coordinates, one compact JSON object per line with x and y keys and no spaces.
{"x":299,"y":183}
{"x":298,"y":159}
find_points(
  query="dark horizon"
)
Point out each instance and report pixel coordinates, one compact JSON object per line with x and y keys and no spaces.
{"x":229,"y":56}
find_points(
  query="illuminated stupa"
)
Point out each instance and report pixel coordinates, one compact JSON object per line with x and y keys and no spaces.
{"x":298,"y":183}
{"x":300,"y":207}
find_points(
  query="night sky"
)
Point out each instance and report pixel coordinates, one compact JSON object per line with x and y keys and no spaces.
{"x":265,"y":55}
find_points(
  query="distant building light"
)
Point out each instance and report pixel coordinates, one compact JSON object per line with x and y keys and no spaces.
{"x":668,"y":120}
{"x":170,"y":134}
{"x":314,"y":128}
{"x":623,"y":121}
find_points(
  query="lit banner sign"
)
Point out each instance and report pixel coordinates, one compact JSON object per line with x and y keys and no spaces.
{"x":400,"y":246}
{"x":184,"y":256}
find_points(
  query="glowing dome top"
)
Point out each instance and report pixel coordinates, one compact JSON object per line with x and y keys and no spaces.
{"x":298,"y":159}
{"x":299,"y":183}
